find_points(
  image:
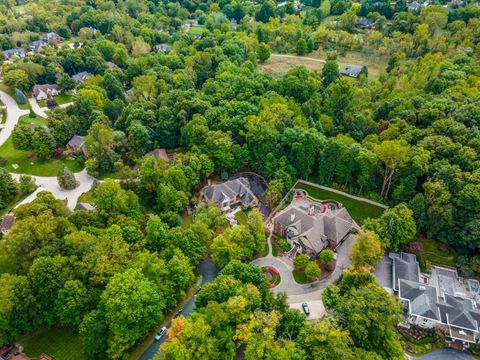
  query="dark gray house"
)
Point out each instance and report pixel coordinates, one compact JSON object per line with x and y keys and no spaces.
{"x":11,"y":53}
{"x":354,"y":71}
{"x":231,"y":192}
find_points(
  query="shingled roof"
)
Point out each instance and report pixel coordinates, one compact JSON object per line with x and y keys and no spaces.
{"x":461,"y":312}
{"x":238,"y":188}
{"x":405,"y":266}
{"x":422,"y":299}
{"x":314,"y":231}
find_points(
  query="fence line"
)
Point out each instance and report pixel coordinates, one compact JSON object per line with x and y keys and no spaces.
{"x":353,"y":197}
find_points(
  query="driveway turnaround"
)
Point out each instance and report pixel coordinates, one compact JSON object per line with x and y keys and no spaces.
{"x":42,"y":111}
{"x":50,"y":184}
{"x":13,"y":114}
{"x":288,"y":284}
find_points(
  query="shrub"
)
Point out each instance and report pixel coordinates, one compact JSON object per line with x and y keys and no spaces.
{"x":22,"y":99}
{"x":301,"y":261}
{"x":312,"y":271}
{"x":66,"y":179}
{"x":327,"y":256}
{"x":27,"y":184}
{"x":415,"y":248}
{"x":284,"y":244}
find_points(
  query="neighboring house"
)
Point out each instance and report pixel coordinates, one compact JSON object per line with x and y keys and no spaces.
{"x":311,"y":227}
{"x":37,"y":46}
{"x":81,"y":77}
{"x":111,"y":65}
{"x":85,"y":206}
{"x":230,"y":193}
{"x":75,"y":45}
{"x":7,"y":223}
{"x":354,"y":71}
{"x":77,"y":143}
{"x":43,"y":92}
{"x":11,"y":53}
{"x":160,"y":154}
{"x":52,"y":37}
{"x":415,"y":6}
{"x":366,"y":23}
{"x":22,"y":356}
{"x":164,"y":48}
{"x":439,"y":300}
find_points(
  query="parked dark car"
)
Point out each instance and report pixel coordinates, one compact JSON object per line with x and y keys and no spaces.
{"x":179,"y":312}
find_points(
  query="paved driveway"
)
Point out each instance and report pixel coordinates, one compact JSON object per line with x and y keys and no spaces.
{"x":445,"y":354}
{"x":288,"y":283}
{"x":42,"y":111}
{"x":13,"y":114}
{"x":51,"y":184}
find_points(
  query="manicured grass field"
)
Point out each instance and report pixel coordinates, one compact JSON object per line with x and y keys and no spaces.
{"x":61,"y":343}
{"x":359,"y":210}
{"x":437,"y":253}
{"x":197,"y":30}
{"x":36,"y":121}
{"x":29,"y":164}
{"x":241,"y":217}
{"x":299,"y":276}
{"x":60,"y":99}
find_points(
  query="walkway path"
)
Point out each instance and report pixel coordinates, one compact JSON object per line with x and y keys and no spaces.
{"x":42,"y":111}
{"x":13,"y":114}
{"x":50,"y":184}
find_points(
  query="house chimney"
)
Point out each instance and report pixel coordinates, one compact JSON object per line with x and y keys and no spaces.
{"x":292,"y":217}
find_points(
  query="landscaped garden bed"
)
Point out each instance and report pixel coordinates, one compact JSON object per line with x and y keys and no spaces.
{"x":273,"y":275}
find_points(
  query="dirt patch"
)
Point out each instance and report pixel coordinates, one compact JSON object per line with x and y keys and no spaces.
{"x":280,"y":64}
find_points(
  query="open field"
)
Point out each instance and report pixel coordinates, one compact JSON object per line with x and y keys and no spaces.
{"x":359,"y":210}
{"x":61,"y":343}
{"x":280,"y":63}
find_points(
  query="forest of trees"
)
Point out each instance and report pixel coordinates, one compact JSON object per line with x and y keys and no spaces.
{"x":409,"y":138}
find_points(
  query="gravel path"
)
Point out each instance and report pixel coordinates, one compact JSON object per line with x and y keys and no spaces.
{"x":13,"y":114}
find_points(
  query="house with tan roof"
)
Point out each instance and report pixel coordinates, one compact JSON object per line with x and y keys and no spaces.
{"x":313,"y":226}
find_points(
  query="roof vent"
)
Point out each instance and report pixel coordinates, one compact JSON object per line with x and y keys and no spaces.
{"x":421,"y":287}
{"x":292,"y":217}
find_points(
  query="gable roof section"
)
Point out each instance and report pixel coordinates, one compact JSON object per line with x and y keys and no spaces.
{"x":7,"y":222}
{"x":45,"y":88}
{"x":228,"y":190}
{"x":422,"y":299}
{"x":405,"y":266}
{"x":76,"y":141}
{"x":460,"y":312}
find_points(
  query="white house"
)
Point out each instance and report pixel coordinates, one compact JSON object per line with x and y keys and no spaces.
{"x":43,"y":92}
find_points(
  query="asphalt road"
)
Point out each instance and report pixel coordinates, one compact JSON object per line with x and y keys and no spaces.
{"x":209,"y":272}
{"x":445,"y":354}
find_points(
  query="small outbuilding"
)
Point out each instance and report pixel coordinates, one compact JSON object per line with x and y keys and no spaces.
{"x":7,"y":223}
{"x":77,"y":143}
{"x":160,"y":154}
{"x":354,"y":71}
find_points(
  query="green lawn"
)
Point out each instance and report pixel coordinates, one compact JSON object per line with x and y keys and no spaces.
{"x":437,"y":253}
{"x":29,"y":164}
{"x":60,"y":99}
{"x":241,"y":217}
{"x":197,"y":30}
{"x":265,"y":249}
{"x":87,"y":197}
{"x":61,"y":343}
{"x":299,"y":276}
{"x":36,"y":121}
{"x":359,"y":210}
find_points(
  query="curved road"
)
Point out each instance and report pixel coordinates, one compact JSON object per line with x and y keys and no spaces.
{"x":13,"y":114}
{"x":209,"y":272}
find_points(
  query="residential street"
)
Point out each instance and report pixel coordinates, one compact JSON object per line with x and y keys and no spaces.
{"x":13,"y":114}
